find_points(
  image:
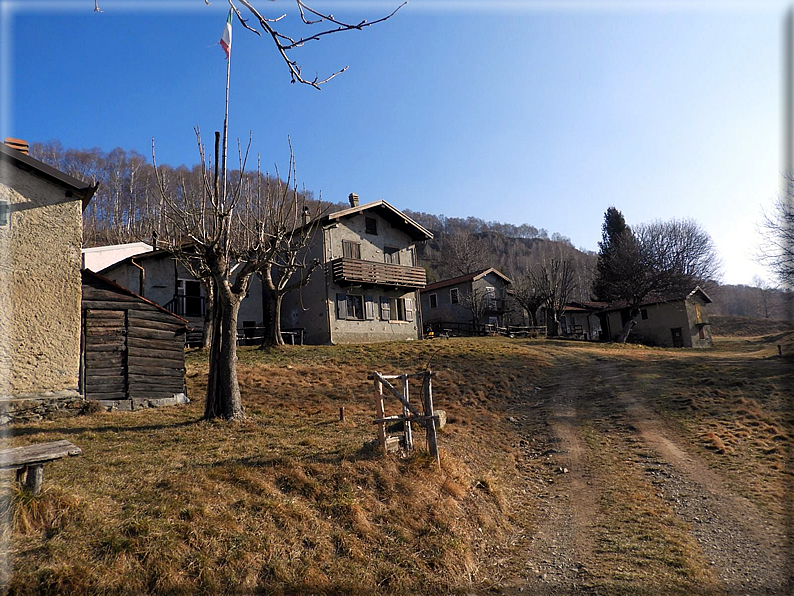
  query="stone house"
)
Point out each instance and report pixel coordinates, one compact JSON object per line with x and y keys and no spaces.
{"x":158,"y":276}
{"x":367,"y":287}
{"x":40,"y":287}
{"x":674,"y":322}
{"x":446,"y":303}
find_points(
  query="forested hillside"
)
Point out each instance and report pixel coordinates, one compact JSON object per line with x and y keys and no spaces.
{"x":126,"y":205}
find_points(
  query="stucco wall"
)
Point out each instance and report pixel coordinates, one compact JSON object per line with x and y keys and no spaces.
{"x":162,"y":273}
{"x":662,"y":318}
{"x":372,"y":249}
{"x":307,"y":307}
{"x":313,"y":307}
{"x":695,"y":306}
{"x":40,"y":347}
{"x":446,"y":312}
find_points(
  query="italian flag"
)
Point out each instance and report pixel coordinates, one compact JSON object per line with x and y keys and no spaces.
{"x":226,"y":38}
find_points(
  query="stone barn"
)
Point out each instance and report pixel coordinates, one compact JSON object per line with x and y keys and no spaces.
{"x":132,"y":353}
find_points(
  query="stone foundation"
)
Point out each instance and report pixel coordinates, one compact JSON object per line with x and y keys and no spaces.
{"x":31,"y":407}
{"x":128,"y":405}
{"x":38,"y":406}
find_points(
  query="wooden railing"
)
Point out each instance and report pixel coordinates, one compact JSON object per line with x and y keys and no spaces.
{"x":380,"y":274}
{"x":186,"y":306}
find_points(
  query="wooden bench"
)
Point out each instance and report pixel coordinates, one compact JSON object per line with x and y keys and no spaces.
{"x":29,"y":461}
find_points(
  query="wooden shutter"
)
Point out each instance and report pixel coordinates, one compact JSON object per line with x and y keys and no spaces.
{"x":409,"y":309}
{"x":369,"y":307}
{"x":384,"y":308}
{"x":341,"y":307}
{"x":351,"y":250}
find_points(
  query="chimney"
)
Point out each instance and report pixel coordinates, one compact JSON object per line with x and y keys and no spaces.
{"x":353,"y":198}
{"x":154,"y":239}
{"x":306,"y":215}
{"x":17,"y":144}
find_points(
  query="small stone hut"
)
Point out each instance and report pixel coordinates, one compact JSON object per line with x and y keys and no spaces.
{"x":132,"y":354}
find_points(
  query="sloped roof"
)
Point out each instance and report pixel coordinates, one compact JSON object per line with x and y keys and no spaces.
{"x":660,"y":299}
{"x":87,"y":274}
{"x":464,"y":278}
{"x":82,"y":190}
{"x":391,"y":214}
{"x":152,"y":254}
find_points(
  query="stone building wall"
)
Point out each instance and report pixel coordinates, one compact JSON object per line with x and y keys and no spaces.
{"x":40,"y":281}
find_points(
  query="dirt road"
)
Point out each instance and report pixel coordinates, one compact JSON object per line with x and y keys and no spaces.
{"x":624,"y":500}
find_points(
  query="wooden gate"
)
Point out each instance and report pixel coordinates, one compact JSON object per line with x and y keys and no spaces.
{"x":410,"y":413}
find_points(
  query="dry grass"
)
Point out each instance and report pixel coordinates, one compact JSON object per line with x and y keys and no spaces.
{"x":289,"y":501}
{"x":641,"y":542}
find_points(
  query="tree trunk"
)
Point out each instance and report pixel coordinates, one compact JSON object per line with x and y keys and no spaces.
{"x":210,"y":314}
{"x":273,"y":337}
{"x":624,"y":334}
{"x":223,"y":388}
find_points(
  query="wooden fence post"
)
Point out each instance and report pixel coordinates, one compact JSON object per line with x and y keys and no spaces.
{"x":381,"y":414}
{"x":409,"y":439}
{"x":430,"y":424}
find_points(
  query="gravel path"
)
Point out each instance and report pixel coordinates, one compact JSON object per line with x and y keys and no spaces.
{"x":745,"y":547}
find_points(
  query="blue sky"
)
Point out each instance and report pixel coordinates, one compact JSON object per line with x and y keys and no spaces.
{"x":536,"y":112}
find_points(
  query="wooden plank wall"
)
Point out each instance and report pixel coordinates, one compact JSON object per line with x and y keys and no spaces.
{"x":155,"y":355}
{"x":132,"y":349}
{"x":105,"y":346}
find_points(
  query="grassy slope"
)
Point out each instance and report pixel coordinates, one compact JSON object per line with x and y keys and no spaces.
{"x":289,"y":499}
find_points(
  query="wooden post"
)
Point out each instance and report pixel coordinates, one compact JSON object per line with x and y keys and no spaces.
{"x":409,"y":439}
{"x":381,"y":413}
{"x":432,"y":442}
{"x":341,"y":413}
{"x":34,"y":479}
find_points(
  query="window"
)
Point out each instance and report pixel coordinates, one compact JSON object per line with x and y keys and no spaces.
{"x":5,"y":209}
{"x":644,"y":312}
{"x":351,"y":250}
{"x":354,"y":307}
{"x":189,"y":299}
{"x":401,"y":309}
{"x":454,"y":297}
{"x":391,"y":255}
{"x":371,"y":225}
{"x":433,"y":301}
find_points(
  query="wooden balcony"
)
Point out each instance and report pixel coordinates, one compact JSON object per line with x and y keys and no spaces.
{"x":355,"y":271}
{"x":496,"y":305}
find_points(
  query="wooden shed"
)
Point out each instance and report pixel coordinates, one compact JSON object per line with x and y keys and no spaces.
{"x":132,"y":350}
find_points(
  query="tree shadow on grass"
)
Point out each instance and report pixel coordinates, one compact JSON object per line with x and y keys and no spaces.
{"x":26,"y":431}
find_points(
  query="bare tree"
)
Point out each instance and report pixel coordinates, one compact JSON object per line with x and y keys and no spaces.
{"x":658,"y":259}
{"x":477,"y":302}
{"x":777,"y":249}
{"x":462,"y":253}
{"x":286,"y":43}
{"x":230,"y":237}
{"x":555,"y":281}
{"x":528,"y":293}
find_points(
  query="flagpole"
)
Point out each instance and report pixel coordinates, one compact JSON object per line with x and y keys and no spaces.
{"x":226,"y":124}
